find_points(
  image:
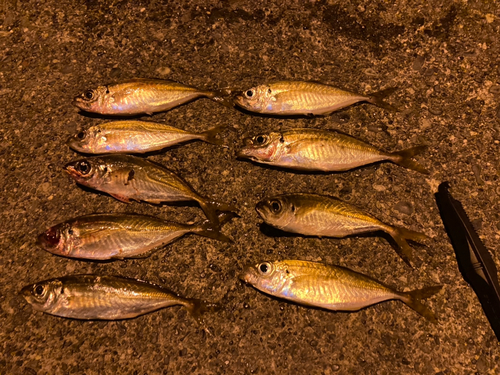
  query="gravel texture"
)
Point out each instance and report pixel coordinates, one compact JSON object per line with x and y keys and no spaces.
{"x":443,"y":57}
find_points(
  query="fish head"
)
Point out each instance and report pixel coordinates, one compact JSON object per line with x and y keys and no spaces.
{"x":43,"y":296}
{"x":86,"y":141}
{"x":263,"y":148}
{"x":92,"y":100}
{"x":277,"y":211}
{"x":90,"y":172}
{"x":257,"y":99}
{"x":268,"y":277}
{"x":57,"y":239}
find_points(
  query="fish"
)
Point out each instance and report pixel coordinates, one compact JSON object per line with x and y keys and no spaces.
{"x":135,"y":137}
{"x":321,"y":151}
{"x":120,"y":236}
{"x":128,"y":178}
{"x":93,"y":297}
{"x":324,"y":216}
{"x":141,"y":96}
{"x":330,"y":287}
{"x":290,"y":98}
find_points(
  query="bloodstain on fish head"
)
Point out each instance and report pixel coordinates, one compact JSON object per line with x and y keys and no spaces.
{"x":263,"y":148}
{"x":50,"y":238}
{"x":90,"y":172}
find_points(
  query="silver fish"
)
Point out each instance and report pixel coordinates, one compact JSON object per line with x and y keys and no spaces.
{"x":321,"y":150}
{"x":139,"y":96}
{"x":135,"y":137}
{"x":329,"y":287}
{"x":323,"y":216}
{"x":120,"y":236}
{"x":92,"y":297}
{"x":127,"y":178}
{"x":304,"y":98}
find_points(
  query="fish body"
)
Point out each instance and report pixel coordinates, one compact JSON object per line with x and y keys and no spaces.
{"x":117,"y":236}
{"x":323,"y":216}
{"x":127,"y":178}
{"x":139,"y":96}
{"x":92,"y":297}
{"x":329,"y":287}
{"x":135,"y":137}
{"x":303,"y":98}
{"x":320,"y":150}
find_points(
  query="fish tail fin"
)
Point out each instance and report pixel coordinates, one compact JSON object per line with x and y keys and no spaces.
{"x":221,"y":97}
{"x":207,"y":230}
{"x":413,"y":299}
{"x":400,"y":235}
{"x":404,"y":158}
{"x":212,"y":207}
{"x":377,"y":98}
{"x":210,"y":136}
{"x":197,"y":307}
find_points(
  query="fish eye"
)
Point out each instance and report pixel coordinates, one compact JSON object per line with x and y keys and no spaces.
{"x":264,"y":268}
{"x":275,"y":206}
{"x":70,"y":231}
{"x":39,"y":290}
{"x":81,"y":135}
{"x":83,"y":167}
{"x":269,"y":91}
{"x":249,"y":93}
{"x":89,"y":94}
{"x":260,"y":139}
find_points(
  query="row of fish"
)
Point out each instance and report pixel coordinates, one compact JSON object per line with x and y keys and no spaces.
{"x":312,"y":150}
{"x":283,"y":98}
{"x":126,"y":177}
{"x":90,"y":297}
{"x":120,"y":236}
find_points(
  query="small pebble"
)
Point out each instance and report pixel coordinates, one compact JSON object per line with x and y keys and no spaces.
{"x":404,"y":208}
{"x":495,"y":90}
{"x":418,"y":63}
{"x":379,"y":187}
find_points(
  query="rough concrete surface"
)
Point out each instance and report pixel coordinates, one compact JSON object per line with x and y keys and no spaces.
{"x":443,"y":57}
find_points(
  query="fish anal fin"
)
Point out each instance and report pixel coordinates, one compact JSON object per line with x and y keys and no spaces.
{"x":121,"y":198}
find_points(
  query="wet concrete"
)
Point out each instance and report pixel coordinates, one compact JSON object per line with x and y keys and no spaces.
{"x":443,"y":57}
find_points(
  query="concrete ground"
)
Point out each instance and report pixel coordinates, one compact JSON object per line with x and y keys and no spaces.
{"x":443,"y":57}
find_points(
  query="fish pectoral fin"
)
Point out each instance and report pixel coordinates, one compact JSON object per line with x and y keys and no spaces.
{"x":121,"y":198}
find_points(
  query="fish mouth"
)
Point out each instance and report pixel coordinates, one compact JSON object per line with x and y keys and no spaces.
{"x":248,"y":275}
{"x":245,"y":153}
{"x":239,"y":99}
{"x":70,"y":168}
{"x":71,"y":142}
{"x":25,"y":292}
{"x":78,"y":102}
{"x":81,"y":103}
{"x":260,"y":208}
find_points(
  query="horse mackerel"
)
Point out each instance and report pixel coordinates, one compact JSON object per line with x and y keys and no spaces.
{"x":329,"y":287}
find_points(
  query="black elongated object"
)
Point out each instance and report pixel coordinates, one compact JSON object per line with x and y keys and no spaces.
{"x":474,"y":260}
